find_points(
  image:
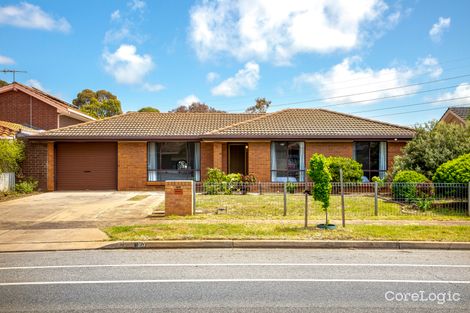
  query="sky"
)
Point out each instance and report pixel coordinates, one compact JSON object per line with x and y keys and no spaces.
{"x":402,"y":62}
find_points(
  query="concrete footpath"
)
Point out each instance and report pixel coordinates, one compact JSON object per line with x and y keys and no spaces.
{"x":231,"y":244}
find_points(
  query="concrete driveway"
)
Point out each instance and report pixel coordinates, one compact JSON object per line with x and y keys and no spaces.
{"x":72,"y":216}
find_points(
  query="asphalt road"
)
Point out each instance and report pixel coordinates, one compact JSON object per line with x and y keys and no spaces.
{"x":236,"y":281}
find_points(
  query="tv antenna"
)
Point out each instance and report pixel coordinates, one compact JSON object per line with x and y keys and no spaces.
{"x":5,"y":71}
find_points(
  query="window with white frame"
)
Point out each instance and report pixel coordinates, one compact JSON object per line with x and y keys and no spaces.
{"x":173,"y":161}
{"x":373,"y":157}
{"x":287,"y":161}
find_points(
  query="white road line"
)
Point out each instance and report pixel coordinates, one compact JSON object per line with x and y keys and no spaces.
{"x":233,"y":265}
{"x":144,"y":281}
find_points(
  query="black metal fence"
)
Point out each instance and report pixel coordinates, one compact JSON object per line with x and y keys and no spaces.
{"x":358,"y":200}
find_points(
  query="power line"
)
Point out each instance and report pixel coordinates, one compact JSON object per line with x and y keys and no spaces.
{"x":410,"y":105}
{"x":416,"y":111}
{"x":372,"y":91}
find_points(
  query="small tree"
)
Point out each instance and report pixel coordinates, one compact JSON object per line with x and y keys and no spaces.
{"x":11,"y":154}
{"x":319,"y":173}
{"x":149,"y":109}
{"x":261,"y":106}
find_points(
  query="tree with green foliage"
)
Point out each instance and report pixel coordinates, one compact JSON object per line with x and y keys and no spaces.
{"x":99,"y":104}
{"x":320,"y":174}
{"x":149,"y":109}
{"x":261,"y":106}
{"x":3,"y":83}
{"x":196,"y":107}
{"x":407,"y":185}
{"x":11,"y":155}
{"x":454,"y":171}
{"x":434,"y":144}
{"x":352,"y":170}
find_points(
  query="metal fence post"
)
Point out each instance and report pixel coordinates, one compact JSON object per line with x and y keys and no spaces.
{"x":194,"y":198}
{"x":343,"y":214}
{"x":306,"y":210}
{"x":468,"y":200}
{"x":285,"y":198}
{"x":376,"y":200}
{"x":259,"y":185}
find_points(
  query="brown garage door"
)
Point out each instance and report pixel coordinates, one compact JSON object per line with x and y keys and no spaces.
{"x":86,"y":166}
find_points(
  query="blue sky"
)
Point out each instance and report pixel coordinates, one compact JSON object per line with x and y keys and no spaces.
{"x":164,"y":53}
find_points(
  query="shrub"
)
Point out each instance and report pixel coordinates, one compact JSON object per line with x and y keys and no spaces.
{"x":290,"y":187}
{"x":11,"y":154}
{"x":319,"y":173}
{"x":409,"y":185}
{"x":454,"y":171}
{"x":215,"y":175}
{"x":219,"y":182}
{"x":352,"y":170}
{"x":26,"y":186}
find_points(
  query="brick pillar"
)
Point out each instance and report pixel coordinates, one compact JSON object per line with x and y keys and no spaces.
{"x":217,"y":155}
{"x":179,"y":197}
{"x":50,"y":167}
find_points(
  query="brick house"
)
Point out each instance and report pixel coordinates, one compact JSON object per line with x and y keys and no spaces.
{"x":139,"y":151}
{"x":36,"y":109}
{"x":456,"y":115}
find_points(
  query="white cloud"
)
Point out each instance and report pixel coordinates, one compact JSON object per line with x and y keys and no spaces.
{"x":277,"y":30}
{"x":4,"y":60}
{"x":115,"y":15}
{"x":126,"y":66}
{"x":137,"y":4}
{"x":438,"y":28}
{"x":188,"y":100}
{"x":462,"y":90}
{"x":153,"y":87}
{"x":212,"y":76}
{"x":346,"y":81}
{"x":35,"y":83}
{"x":245,"y":78}
{"x":27,"y":15}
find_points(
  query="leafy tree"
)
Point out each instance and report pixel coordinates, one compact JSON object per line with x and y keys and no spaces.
{"x":320,"y":174}
{"x":454,"y":171}
{"x":261,"y":106}
{"x":99,"y":104}
{"x":434,"y":144}
{"x":196,"y":107}
{"x":99,"y":110}
{"x":3,"y":83}
{"x":149,"y":109}
{"x":352,"y":170}
{"x":11,"y":154}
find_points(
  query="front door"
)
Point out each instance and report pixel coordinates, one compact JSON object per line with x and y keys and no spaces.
{"x":237,"y":158}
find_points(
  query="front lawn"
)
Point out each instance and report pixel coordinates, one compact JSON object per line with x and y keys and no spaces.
{"x":201,"y":231}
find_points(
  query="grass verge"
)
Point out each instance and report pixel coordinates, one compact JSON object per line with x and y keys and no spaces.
{"x":201,"y":231}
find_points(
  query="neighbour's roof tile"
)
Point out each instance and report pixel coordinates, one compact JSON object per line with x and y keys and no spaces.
{"x":462,"y":112}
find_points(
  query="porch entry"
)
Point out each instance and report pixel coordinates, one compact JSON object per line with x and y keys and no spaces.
{"x":238,"y":158}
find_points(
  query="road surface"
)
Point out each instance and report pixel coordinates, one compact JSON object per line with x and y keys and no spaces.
{"x":225,"y":280}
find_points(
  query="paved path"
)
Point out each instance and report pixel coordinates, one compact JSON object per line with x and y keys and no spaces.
{"x":236,"y":281}
{"x":54,"y":220}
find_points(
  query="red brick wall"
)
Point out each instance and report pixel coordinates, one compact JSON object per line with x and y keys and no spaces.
{"x":206,"y":158}
{"x":343,"y":149}
{"x":259,"y":160}
{"x":67,"y":121}
{"x":132,"y":165}
{"x":35,"y":164}
{"x":393,"y":149}
{"x":15,"y":107}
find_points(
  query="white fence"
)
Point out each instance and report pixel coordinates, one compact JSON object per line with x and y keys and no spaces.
{"x":7,"y":181}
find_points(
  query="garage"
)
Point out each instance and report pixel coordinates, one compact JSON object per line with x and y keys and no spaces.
{"x":86,"y":166}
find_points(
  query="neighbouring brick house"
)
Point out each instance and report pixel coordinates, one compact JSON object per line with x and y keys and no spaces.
{"x":456,"y":115}
{"x":36,"y":109}
{"x":138,"y":151}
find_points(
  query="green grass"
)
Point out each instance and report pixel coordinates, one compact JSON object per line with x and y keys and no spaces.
{"x":201,"y":231}
{"x":271,"y":206}
{"x":138,"y":198}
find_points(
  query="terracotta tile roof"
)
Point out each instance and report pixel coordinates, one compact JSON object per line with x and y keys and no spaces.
{"x":316,"y":123}
{"x":462,"y":112}
{"x":290,"y":123}
{"x":9,"y":129}
{"x":151,"y":124}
